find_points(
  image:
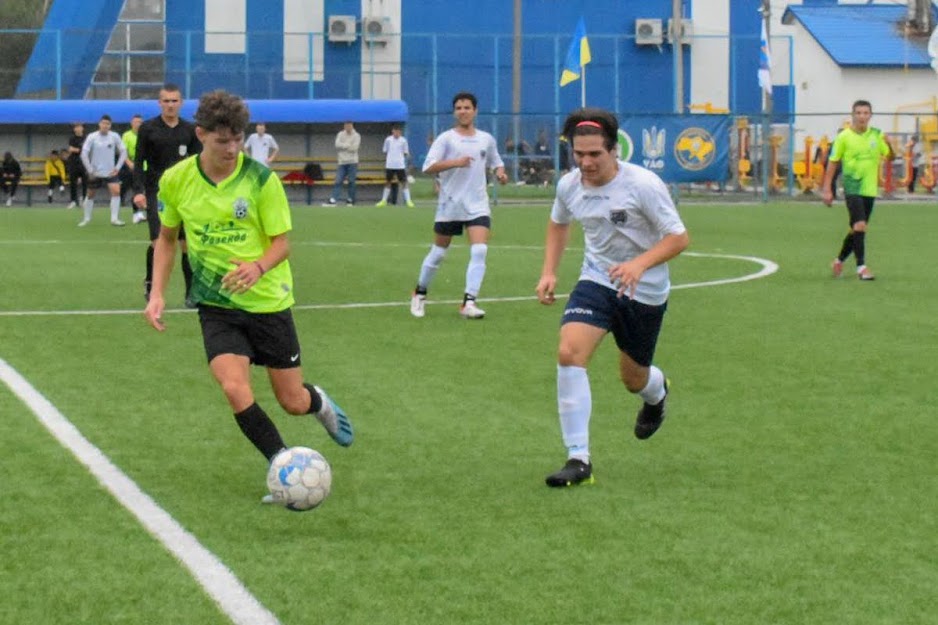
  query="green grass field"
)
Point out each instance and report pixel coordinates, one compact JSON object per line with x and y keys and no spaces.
{"x":794,"y":481}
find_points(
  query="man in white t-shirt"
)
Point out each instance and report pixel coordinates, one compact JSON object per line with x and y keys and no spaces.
{"x":102,"y":155}
{"x":630,"y":230}
{"x":261,"y":146}
{"x":462,"y":157}
{"x":396,"y":153}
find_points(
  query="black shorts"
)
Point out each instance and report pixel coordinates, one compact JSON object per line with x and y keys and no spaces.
{"x":634,"y":325}
{"x":102,"y":181}
{"x":454,"y":228}
{"x":153,"y":218}
{"x":400,"y":174}
{"x":860,"y":208}
{"x":267,"y":339}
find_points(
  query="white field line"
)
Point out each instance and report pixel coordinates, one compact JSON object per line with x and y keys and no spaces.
{"x":767,"y":268}
{"x":217,"y":579}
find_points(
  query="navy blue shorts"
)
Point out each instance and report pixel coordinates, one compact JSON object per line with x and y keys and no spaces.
{"x":454,"y":228}
{"x":635,"y":326}
{"x":267,"y":339}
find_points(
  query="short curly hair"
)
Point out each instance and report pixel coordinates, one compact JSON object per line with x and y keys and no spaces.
{"x":220,"y":109}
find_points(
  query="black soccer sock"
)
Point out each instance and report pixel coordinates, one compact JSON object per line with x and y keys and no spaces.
{"x":847,"y":247}
{"x":260,"y":430}
{"x":859,"y":247}
{"x":187,"y":273}
{"x":467,"y":298}
{"x":149,"y":264}
{"x":420,"y":290}
{"x":316,"y":399}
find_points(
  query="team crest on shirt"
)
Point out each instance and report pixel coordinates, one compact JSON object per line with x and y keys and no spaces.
{"x":617,"y":216}
{"x":240,"y":208}
{"x":183,"y":150}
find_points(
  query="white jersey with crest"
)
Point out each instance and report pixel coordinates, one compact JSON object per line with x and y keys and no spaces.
{"x":621,"y":220}
{"x":101,"y":153}
{"x":463,"y":192}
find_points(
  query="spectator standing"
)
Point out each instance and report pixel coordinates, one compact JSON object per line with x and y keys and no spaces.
{"x":396,"y":153}
{"x":55,"y":173}
{"x":74,"y":168}
{"x":102,"y":154}
{"x":11,"y":174}
{"x":918,"y":159}
{"x":347,"y":142}
{"x":260,"y":146}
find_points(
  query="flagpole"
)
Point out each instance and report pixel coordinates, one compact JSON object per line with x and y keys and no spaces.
{"x":766,"y":110}
{"x":582,"y":85}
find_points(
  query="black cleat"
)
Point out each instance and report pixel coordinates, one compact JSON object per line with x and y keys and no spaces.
{"x":573,"y":473}
{"x":651,"y":417}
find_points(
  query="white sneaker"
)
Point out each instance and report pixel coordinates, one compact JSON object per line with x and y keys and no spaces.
{"x":139,"y":216}
{"x":83,"y":223}
{"x":469,"y":310}
{"x":417,"y":304}
{"x":117,"y":222}
{"x":71,"y":205}
{"x":9,"y":201}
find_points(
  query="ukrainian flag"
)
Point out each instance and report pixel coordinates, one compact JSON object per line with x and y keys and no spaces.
{"x":578,"y":55}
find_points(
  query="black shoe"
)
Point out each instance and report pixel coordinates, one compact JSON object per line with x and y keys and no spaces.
{"x":573,"y":473}
{"x":650,"y":417}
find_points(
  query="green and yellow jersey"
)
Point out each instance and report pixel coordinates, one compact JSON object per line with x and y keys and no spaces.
{"x":130,"y":142}
{"x":860,"y":154}
{"x":234,"y":219}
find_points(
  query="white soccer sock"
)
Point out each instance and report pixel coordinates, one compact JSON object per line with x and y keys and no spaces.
{"x":653,"y":392}
{"x":430,"y":264}
{"x":115,"y":207}
{"x":574,"y":404}
{"x":407,"y":194}
{"x":475,"y":272}
{"x":87,"y":206}
{"x":385,"y":194}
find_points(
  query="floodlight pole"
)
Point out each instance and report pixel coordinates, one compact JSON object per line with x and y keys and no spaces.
{"x":516,"y":76}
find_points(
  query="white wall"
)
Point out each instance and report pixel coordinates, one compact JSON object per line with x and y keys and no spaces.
{"x":709,"y":62}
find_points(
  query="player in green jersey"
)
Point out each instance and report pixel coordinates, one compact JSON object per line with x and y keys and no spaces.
{"x":236,"y":219}
{"x":859,"y":149}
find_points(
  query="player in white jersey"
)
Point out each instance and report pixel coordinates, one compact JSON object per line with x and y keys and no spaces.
{"x":396,"y":153}
{"x":102,"y":155}
{"x":461,"y":156}
{"x":631,"y":229}
{"x":260,"y":146}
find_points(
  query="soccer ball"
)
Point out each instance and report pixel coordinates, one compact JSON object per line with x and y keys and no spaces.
{"x":299,"y":478}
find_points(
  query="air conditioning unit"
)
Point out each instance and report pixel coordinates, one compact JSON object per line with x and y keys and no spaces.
{"x":686,"y":34}
{"x":648,"y":32}
{"x":342,"y":28}
{"x":376,"y":30}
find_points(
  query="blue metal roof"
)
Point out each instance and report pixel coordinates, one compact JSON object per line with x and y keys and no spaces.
{"x":282,"y":111}
{"x":862,"y":35}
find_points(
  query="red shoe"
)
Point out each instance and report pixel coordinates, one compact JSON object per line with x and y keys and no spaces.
{"x":837,"y":267}
{"x":865,"y":274}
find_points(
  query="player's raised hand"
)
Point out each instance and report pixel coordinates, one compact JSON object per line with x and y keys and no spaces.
{"x":243,"y":276}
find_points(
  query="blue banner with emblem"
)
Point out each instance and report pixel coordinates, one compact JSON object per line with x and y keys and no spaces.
{"x":685,"y":148}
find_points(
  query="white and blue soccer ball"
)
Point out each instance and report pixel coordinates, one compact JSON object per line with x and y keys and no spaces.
{"x":299,"y":478}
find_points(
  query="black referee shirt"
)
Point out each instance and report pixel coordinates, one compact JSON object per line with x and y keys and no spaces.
{"x":161,"y":147}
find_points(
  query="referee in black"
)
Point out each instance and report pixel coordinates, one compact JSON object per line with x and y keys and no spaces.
{"x":162,"y":142}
